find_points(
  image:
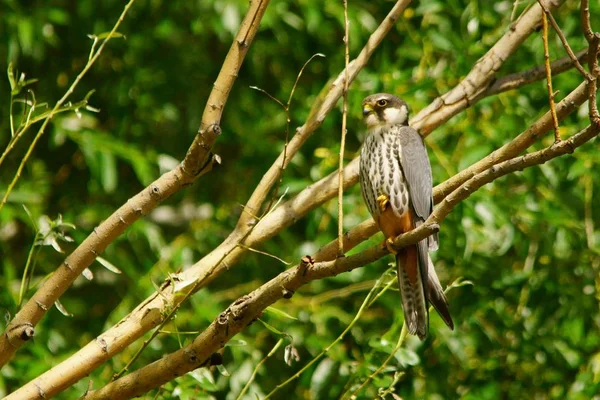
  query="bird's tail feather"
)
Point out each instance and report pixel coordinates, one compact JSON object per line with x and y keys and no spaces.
{"x":412,"y":284}
{"x":436,"y":296}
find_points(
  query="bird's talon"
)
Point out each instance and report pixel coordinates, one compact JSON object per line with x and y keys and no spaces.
{"x":383,"y":202}
{"x":389,"y":244}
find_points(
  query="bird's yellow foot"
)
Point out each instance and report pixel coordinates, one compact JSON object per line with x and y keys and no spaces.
{"x":383,"y":201}
{"x":389,"y":244}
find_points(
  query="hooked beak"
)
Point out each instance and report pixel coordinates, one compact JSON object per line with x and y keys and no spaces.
{"x":367,"y":109}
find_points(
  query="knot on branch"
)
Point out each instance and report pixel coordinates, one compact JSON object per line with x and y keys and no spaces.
{"x":27,"y":333}
{"x":23,"y":332}
{"x":102,"y":343}
{"x":155,"y":191}
{"x":223,"y":318}
{"x":239,"y":306}
{"x":216,"y":129}
{"x":305,"y":262}
{"x":192,"y":357}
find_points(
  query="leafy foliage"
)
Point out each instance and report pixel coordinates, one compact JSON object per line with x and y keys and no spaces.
{"x":529,"y":242}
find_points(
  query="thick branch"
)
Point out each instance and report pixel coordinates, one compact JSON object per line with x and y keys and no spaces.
{"x":247,"y":308}
{"x":593,"y":39}
{"x":318,"y":114}
{"x":14,"y":336}
{"x":199,"y":151}
{"x":516,"y":80}
{"x":462,"y":96}
{"x":227,"y":254}
{"x":511,"y":149}
{"x":149,"y":314}
{"x":136,"y":207}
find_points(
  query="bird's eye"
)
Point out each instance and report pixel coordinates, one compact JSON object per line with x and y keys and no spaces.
{"x":382,"y":103}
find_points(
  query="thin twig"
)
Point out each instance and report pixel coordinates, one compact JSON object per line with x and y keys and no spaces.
{"x":247,"y":308}
{"x":527,"y":268}
{"x":519,"y":79}
{"x":135,"y":208}
{"x":565,"y":43}
{"x":549,"y":72}
{"x":585,"y":21}
{"x":593,"y":40}
{"x":343,"y":139}
{"x":133,"y":326}
{"x":365,"y":304}
{"x":30,"y":120}
{"x":401,"y":339}
{"x":61,"y":101}
{"x":588,"y":182}
{"x":286,"y":108}
{"x":261,"y":362}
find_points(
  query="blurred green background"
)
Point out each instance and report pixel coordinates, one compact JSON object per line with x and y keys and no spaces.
{"x":528,"y":326}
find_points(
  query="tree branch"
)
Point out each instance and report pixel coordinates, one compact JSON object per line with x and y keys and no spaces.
{"x":593,"y":40}
{"x":511,"y":149}
{"x":551,"y":94}
{"x":516,"y":80}
{"x":317,"y":116}
{"x":343,"y":137}
{"x":463,"y":95}
{"x":138,"y":206}
{"x":565,"y":44}
{"x":149,"y":313}
{"x":56,"y":109}
{"x":200,"y":150}
{"x":227,"y":254}
{"x":247,"y":308}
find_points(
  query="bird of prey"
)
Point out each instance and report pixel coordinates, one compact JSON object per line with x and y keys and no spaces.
{"x":396,"y":183}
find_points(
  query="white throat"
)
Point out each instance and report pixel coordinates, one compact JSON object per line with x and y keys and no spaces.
{"x":396,"y":116}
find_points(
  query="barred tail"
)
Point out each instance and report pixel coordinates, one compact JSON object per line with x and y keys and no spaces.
{"x":412,"y":280}
{"x":436,"y":296}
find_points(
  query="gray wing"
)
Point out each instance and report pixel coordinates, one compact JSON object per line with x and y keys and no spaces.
{"x":417,"y":171}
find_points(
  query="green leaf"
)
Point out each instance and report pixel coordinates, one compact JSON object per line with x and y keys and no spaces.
{"x":11,"y":78}
{"x":236,"y":342}
{"x":109,"y":266}
{"x":223,"y":371}
{"x":87,"y":274}
{"x":109,"y":177}
{"x":62,"y":309}
{"x":571,"y":356}
{"x":271,"y":328}
{"x":407,"y":357}
{"x":322,"y":378}
{"x":104,"y":35}
{"x":204,"y":378}
{"x":279,"y":313}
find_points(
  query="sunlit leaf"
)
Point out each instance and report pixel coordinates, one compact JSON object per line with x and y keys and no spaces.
{"x":62,"y":309}
{"x":87,"y":274}
{"x":108,"y":265}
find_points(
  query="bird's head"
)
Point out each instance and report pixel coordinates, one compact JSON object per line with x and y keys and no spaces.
{"x":384,"y":109}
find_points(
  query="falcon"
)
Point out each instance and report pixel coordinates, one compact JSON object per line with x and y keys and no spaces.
{"x":396,"y":183}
